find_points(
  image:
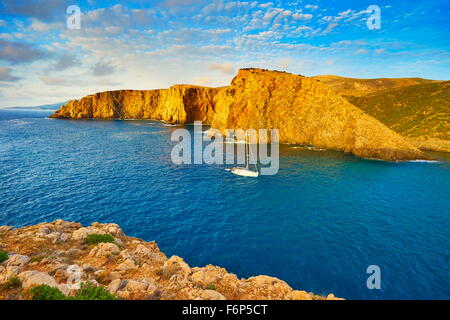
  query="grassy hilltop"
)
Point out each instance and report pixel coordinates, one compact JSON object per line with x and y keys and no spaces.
{"x":419,"y":112}
{"x":416,"y":108}
{"x":360,"y":87}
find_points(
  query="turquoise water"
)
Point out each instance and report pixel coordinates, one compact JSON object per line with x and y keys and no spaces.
{"x":318,"y":224}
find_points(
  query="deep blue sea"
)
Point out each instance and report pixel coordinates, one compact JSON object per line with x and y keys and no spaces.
{"x":318,"y":224}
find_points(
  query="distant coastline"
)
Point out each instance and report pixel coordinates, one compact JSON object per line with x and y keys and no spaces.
{"x":45,"y":107}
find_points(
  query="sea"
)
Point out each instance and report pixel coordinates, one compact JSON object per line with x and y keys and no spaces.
{"x":319,"y":224}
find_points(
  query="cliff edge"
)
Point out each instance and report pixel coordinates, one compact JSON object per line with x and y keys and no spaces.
{"x":63,"y":255}
{"x":303,"y":109}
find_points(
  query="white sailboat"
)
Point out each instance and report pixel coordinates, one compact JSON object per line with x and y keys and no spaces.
{"x":245,"y":171}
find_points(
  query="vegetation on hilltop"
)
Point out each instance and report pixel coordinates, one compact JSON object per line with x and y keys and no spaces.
{"x":420,"y":112}
{"x":360,"y":87}
{"x":413,"y":111}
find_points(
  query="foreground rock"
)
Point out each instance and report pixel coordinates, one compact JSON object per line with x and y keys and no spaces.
{"x":127,"y":267}
{"x":303,"y":109}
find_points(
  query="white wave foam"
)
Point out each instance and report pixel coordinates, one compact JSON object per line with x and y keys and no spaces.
{"x":309,"y":148}
{"x":18,"y":122}
{"x":425,"y":161}
{"x":171,"y":125}
{"x":236,"y":142}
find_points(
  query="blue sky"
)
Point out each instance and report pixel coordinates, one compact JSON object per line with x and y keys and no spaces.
{"x":154,"y":44}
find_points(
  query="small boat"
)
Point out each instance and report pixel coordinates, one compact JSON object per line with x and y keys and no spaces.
{"x":245,"y":171}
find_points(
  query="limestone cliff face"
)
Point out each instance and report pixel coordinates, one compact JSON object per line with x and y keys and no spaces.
{"x":178,"y":104}
{"x":304,"y":110}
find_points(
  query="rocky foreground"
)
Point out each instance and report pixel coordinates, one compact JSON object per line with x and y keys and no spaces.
{"x":304,"y":110}
{"x":58,"y":254}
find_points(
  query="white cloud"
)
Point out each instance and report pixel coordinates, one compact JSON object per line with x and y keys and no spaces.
{"x":202,"y":81}
{"x":284,"y":63}
{"x":6,"y":76}
{"x":266,"y":5}
{"x":58,"y":81}
{"x":103,"y":68}
{"x":302,"y":16}
{"x":226,"y":68}
{"x":39,"y":26}
{"x":311,"y":6}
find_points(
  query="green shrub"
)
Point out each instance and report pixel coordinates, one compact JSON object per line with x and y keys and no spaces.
{"x":87,"y":292}
{"x":91,"y":292}
{"x":96,"y":238}
{"x":12,"y":283}
{"x":3,"y":256}
{"x":45,"y":292}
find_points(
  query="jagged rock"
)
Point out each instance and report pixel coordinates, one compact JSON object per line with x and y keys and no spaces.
{"x":74,"y":274}
{"x":111,"y":228}
{"x":129,"y":261}
{"x":4,"y":229}
{"x":205,"y":277}
{"x":223,"y":281}
{"x":332,"y":297}
{"x":82,"y":233}
{"x":60,"y":275}
{"x":156,"y":277}
{"x":97,"y":228}
{"x":264,"y":288}
{"x":104,"y":250}
{"x":133,"y":285}
{"x":64,"y":288}
{"x":34,"y":278}
{"x":89,"y":269}
{"x":107,"y":276}
{"x":116,"y":285}
{"x":17,"y":260}
{"x":8,"y":272}
{"x":127,"y":265}
{"x":299,"y":295}
{"x":73,"y":251}
{"x":175,"y":265}
{"x":155,"y":295}
{"x":148,"y":255}
{"x":211,"y":295}
{"x":140,"y":288}
{"x":177,"y":282}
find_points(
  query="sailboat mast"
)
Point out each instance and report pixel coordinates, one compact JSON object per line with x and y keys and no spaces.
{"x":246,"y":153}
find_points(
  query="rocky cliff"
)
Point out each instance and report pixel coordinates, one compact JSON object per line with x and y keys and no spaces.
{"x":60,"y":255}
{"x":178,"y":104}
{"x":304,"y":110}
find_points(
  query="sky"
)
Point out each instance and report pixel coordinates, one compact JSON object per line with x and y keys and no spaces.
{"x":155,"y":44}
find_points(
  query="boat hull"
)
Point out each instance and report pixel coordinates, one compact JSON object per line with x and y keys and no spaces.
{"x":244,"y":172}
